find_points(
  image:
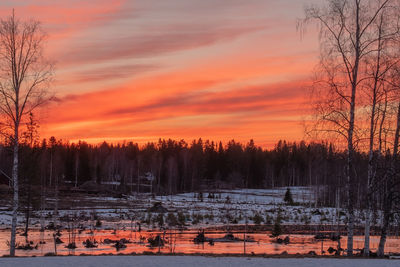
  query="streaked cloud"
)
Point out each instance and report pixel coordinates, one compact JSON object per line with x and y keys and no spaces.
{"x":174,"y":69}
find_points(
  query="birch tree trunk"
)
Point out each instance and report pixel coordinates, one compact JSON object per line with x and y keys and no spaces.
{"x":387,"y":202}
{"x":349,"y":184}
{"x":373,"y":125}
{"x":16,"y":193}
{"x":385,"y":225}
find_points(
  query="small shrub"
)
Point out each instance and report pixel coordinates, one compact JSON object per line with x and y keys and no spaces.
{"x":209,"y":216}
{"x":257,"y":218}
{"x":160,"y":220}
{"x":181,"y":218}
{"x":228,"y":217}
{"x":196,"y":218}
{"x":234,"y":221}
{"x":277,"y":231}
{"x":148,"y":219}
{"x":172,"y":220}
{"x":268,"y":219}
{"x":306,"y":219}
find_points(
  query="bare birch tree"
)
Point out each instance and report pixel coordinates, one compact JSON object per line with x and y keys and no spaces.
{"x":24,"y":79}
{"x":347,"y":36}
{"x":389,"y":182}
{"x":379,"y":62}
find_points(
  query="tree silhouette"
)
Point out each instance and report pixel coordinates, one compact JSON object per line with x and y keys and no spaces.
{"x":24,"y":81}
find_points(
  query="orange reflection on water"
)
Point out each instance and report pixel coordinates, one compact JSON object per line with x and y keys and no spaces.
{"x":182,"y":242}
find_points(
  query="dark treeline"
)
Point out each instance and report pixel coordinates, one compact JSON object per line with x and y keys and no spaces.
{"x":177,"y":166}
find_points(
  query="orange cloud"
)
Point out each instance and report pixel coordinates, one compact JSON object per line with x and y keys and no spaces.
{"x":241,"y":113}
{"x":175,"y":69}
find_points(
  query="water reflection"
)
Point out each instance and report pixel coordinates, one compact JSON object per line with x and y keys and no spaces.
{"x":175,"y":241}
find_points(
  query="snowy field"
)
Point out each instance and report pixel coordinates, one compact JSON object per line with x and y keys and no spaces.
{"x":184,"y":261}
{"x":226,"y":206}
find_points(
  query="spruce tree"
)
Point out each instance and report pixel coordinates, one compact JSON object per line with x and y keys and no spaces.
{"x":288,"y":197}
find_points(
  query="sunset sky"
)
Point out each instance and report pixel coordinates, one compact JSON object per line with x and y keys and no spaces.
{"x":181,"y":69}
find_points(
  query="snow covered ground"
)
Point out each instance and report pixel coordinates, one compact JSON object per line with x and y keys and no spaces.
{"x":224,"y":207}
{"x":177,"y":261}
